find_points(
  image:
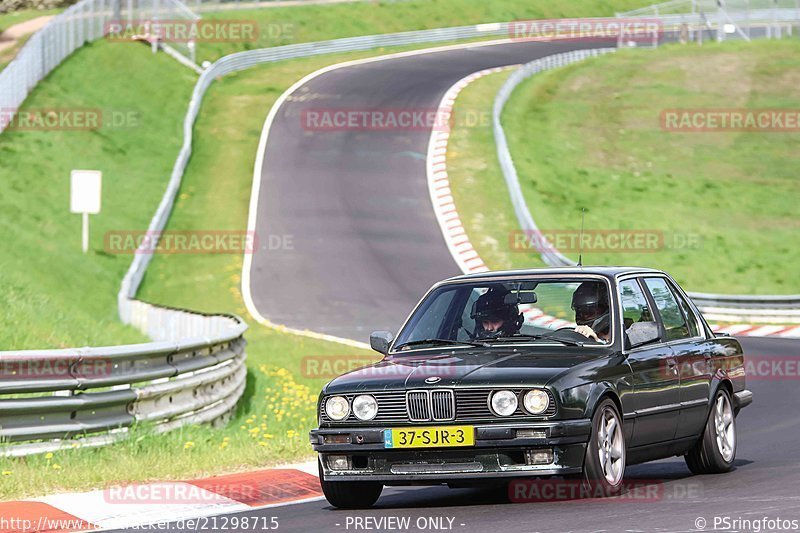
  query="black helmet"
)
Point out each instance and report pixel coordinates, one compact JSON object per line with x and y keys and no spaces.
{"x":590,"y":303}
{"x":492,"y":306}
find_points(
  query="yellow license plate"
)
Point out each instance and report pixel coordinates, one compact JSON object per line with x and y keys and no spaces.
{"x":429,"y":437}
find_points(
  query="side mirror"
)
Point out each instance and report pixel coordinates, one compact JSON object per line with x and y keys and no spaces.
{"x":641,"y":333}
{"x":380,"y":341}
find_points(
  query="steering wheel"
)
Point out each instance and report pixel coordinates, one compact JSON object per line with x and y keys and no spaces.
{"x":570,"y":334}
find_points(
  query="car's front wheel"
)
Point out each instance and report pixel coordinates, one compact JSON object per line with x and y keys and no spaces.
{"x":715,"y":451}
{"x":350,"y":494}
{"x":604,"y":463}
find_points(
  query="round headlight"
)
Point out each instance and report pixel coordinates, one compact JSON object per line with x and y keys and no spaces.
{"x":504,"y":402}
{"x":365,"y":407}
{"x":337,"y":408}
{"x":536,"y":401}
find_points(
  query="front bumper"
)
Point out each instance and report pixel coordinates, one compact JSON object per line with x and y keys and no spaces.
{"x":498,"y":453}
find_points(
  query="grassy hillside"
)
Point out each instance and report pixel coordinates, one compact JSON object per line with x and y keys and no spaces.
{"x":53,"y":294}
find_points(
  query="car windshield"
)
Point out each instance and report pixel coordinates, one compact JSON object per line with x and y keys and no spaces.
{"x":486,"y":313}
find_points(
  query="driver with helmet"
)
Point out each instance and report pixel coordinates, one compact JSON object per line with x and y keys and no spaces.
{"x":494,"y":316}
{"x":590,"y":303}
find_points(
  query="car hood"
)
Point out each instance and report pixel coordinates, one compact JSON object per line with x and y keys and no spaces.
{"x":504,"y":366}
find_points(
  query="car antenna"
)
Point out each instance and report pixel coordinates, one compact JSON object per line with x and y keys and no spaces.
{"x":580,"y":241}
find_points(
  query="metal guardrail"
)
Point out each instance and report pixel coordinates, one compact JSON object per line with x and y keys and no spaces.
{"x":64,"y":398}
{"x":756,"y":308}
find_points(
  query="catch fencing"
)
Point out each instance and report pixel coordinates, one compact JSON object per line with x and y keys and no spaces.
{"x":79,"y":24}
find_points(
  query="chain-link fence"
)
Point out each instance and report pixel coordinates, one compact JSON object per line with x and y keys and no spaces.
{"x":79,"y":24}
{"x":698,"y":20}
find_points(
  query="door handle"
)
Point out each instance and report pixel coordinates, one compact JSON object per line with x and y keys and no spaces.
{"x":672,"y":364}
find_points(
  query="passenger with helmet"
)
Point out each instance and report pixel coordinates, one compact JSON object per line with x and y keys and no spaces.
{"x":494,"y":316}
{"x":590,"y":303}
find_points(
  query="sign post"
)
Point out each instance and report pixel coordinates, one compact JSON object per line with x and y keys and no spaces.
{"x":85,"y":187}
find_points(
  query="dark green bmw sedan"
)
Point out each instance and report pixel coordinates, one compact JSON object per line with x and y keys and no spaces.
{"x":574,"y":372}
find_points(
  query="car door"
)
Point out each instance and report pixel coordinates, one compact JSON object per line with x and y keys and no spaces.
{"x":654,"y":403}
{"x":692,"y":352}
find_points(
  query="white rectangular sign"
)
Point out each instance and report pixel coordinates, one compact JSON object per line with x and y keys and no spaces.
{"x":85,"y":191}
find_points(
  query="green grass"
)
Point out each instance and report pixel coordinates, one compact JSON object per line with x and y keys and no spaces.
{"x":287,"y":25}
{"x":589,"y":136}
{"x":55,"y":296}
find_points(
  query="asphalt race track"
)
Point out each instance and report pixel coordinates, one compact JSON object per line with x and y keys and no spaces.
{"x":365,"y":245}
{"x":764,"y":483}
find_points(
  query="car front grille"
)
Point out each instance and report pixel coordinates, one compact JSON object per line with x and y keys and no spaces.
{"x":435,"y":405}
{"x":443,"y":405}
{"x":418,"y":405}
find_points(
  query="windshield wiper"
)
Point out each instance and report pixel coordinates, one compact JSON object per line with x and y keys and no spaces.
{"x":522,"y":336}
{"x":441,"y":341}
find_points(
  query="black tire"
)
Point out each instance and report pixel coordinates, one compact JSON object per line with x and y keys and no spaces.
{"x":595,"y":481}
{"x":710,"y":455}
{"x":350,"y":494}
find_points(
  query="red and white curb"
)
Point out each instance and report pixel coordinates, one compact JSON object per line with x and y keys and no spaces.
{"x":125,"y":506}
{"x":465,"y":255}
{"x":439,"y":184}
{"x":751,"y":330}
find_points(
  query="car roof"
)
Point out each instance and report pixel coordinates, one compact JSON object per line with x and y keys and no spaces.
{"x":607,"y":271}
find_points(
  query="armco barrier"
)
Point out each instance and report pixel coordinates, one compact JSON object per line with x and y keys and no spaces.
{"x":86,"y":391}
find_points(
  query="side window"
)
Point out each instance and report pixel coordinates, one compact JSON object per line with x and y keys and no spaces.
{"x":671,"y":315}
{"x":634,"y":304}
{"x":691,"y":317}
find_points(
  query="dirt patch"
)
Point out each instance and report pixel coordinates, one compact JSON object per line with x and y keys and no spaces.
{"x":9,"y":37}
